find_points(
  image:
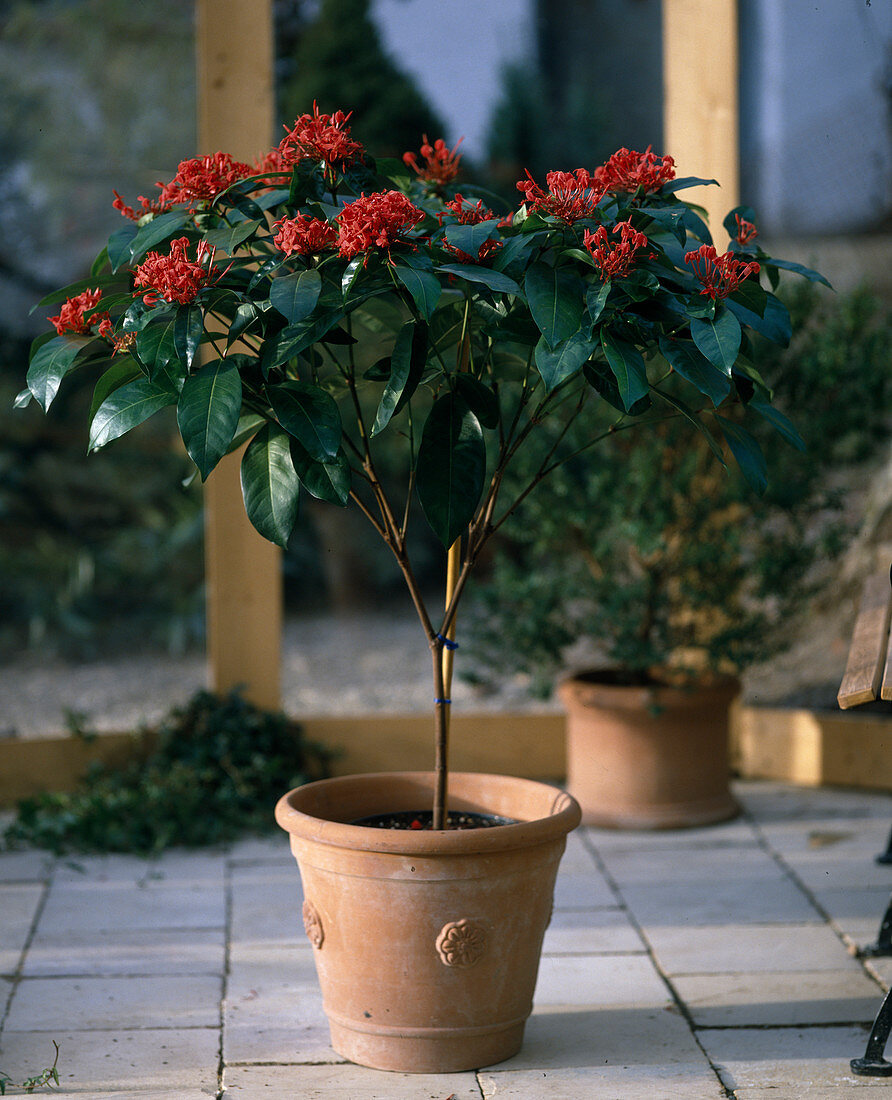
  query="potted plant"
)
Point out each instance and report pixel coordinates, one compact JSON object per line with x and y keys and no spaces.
{"x":643,"y":582}
{"x":316,"y":302}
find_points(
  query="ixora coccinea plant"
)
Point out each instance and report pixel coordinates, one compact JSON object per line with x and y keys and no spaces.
{"x":318,"y":307}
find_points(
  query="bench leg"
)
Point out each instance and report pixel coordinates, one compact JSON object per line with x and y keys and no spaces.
{"x":886,"y":857}
{"x":883,"y":946}
{"x":873,"y":1064}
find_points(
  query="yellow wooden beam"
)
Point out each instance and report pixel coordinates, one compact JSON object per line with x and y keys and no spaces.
{"x":700,"y":101}
{"x":236,"y":112}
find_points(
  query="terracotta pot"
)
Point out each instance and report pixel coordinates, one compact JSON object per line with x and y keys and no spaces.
{"x":649,"y":757}
{"x":427,"y":943}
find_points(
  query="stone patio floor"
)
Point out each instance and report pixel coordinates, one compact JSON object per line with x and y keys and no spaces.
{"x":702,"y":964}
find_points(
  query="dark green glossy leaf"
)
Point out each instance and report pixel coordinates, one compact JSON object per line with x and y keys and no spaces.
{"x":236,"y":197}
{"x":596,"y":299}
{"x":270,"y":485}
{"x":752,"y":296}
{"x":310,"y":415}
{"x":208,"y":411}
{"x":600,"y":378}
{"x":156,"y":343}
{"x":120,"y":251}
{"x":558,"y":364}
{"x":774,"y":324}
{"x":124,"y":369}
{"x":798,"y":269}
{"x":747,"y":452}
{"x":49,"y":365}
{"x":555,"y":296}
{"x":188,"y":330}
{"x":126,"y":407}
{"x":424,"y":287}
{"x":718,"y":339}
{"x":627,"y":365}
{"x":686,"y":360}
{"x":160,"y":229}
{"x":328,"y":481}
{"x":482,"y":401}
{"x":471,"y":238}
{"x":23,"y":399}
{"x":451,"y":467}
{"x":228,"y":237}
{"x":295,"y":296}
{"x":782,"y":424}
{"x":495,"y":280}
{"x":685,"y":181}
{"x":407,"y":362}
{"x":640,"y":285}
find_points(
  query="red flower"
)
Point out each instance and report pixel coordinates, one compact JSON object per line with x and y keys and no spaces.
{"x":71,"y":317}
{"x":614,"y":259}
{"x":175,"y":278}
{"x":107,"y":331}
{"x":380,"y":220}
{"x":570,"y":195}
{"x":720,"y":275}
{"x":745,"y":230}
{"x":304,"y":235}
{"x":628,"y":170}
{"x":197,"y":180}
{"x":320,"y":137}
{"x":466,"y":215}
{"x":441,"y":164}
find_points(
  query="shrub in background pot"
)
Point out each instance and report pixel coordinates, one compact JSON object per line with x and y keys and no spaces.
{"x":314,"y":302}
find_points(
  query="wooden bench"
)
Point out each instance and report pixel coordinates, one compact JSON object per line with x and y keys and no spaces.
{"x":868,"y":676}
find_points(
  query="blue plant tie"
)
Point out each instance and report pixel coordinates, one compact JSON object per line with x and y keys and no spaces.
{"x":447,"y":642}
{"x":443,"y":701}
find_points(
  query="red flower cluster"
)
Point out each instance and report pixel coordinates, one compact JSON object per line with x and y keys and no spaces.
{"x":745,"y":230}
{"x":304,"y":235}
{"x":176,"y":278}
{"x":570,"y":195}
{"x":614,"y":259}
{"x":379,"y":220}
{"x":197,"y":180}
{"x":720,"y":275}
{"x":320,"y":137}
{"x":72,"y":316}
{"x":441,"y":164}
{"x":469,"y":215}
{"x":628,"y":170}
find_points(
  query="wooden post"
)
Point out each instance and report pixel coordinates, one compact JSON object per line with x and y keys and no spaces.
{"x":700,"y":111}
{"x":236,"y":108}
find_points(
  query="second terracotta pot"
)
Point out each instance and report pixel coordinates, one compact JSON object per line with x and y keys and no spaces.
{"x":653,"y":757}
{"x":427,"y":943}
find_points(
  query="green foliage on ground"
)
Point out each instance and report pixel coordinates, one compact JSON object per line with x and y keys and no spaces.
{"x":214,"y":772}
{"x":654,"y":555}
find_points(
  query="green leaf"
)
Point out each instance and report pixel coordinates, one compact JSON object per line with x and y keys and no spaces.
{"x":188,"y":330}
{"x":747,"y":452}
{"x":23,"y":399}
{"x":798,"y":269}
{"x":555,"y":296}
{"x":686,"y":360}
{"x":774,"y":324}
{"x":120,"y":243}
{"x":451,"y":467}
{"x":208,"y":411}
{"x":49,"y":365}
{"x":471,"y":238}
{"x":270,"y":486}
{"x":161,"y":228}
{"x":752,"y":296}
{"x":424,"y":287}
{"x":600,"y":378}
{"x":407,"y":362}
{"x":329,"y":481}
{"x":126,"y":407}
{"x":685,"y":181}
{"x":627,"y":365}
{"x":596,"y":298}
{"x":718,"y":339}
{"x":782,"y":424}
{"x":295,"y":296}
{"x":558,"y":364}
{"x":495,"y":280}
{"x":124,"y":369}
{"x":228,"y":237}
{"x":309,"y":414}
{"x":156,"y":342}
{"x":482,"y":401}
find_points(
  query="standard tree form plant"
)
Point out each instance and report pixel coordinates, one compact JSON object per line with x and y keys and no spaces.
{"x":317,"y":302}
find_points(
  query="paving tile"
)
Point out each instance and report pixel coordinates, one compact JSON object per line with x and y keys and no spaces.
{"x":779,"y":999}
{"x":599,"y":980}
{"x":567,"y":1036}
{"x":692,"y":866}
{"x":578,"y":890}
{"x":50,"y":1004}
{"x":726,"y":834}
{"x":127,"y":952}
{"x":178,"y":865}
{"x":742,"y":901}
{"x":590,"y":931}
{"x":30,"y":865}
{"x":266,"y":904}
{"x":578,"y":857}
{"x":19,"y":903}
{"x":740,"y":948}
{"x":262,"y":849}
{"x":608,"y":1082}
{"x":343,"y":1082}
{"x":273,"y":1007}
{"x":84,"y":907}
{"x":791,"y":1061}
{"x":120,"y":1064}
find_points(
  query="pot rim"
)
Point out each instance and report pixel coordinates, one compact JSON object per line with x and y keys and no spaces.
{"x":561,"y":814}
{"x":585,"y":683}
